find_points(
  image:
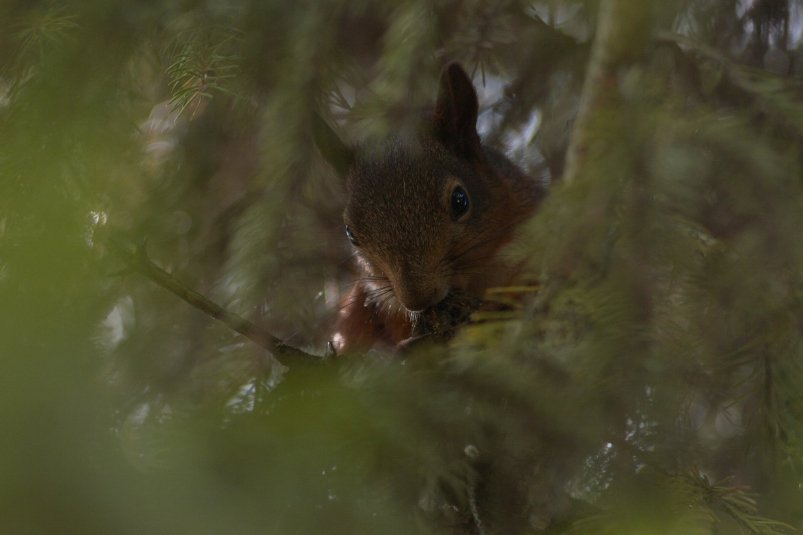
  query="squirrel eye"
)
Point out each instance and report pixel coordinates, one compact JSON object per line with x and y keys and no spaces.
{"x":350,"y":236}
{"x":459,"y":202}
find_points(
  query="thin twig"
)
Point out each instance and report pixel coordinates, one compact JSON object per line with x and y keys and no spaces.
{"x":136,"y":258}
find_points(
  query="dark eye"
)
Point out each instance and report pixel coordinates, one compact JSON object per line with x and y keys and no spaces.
{"x":459,"y":202}
{"x":350,"y":236}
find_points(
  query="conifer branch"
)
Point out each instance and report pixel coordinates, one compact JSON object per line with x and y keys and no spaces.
{"x":136,"y":258}
{"x":202,"y":66}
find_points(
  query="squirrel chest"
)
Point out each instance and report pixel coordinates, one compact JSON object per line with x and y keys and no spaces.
{"x":426,"y":218}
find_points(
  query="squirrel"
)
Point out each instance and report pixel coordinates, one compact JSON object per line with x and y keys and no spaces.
{"x":427,"y":218}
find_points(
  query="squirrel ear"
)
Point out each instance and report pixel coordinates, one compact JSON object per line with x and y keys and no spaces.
{"x":337,"y":153}
{"x":456,"y":113}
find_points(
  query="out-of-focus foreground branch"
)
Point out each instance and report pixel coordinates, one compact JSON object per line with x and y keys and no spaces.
{"x":623,"y":29}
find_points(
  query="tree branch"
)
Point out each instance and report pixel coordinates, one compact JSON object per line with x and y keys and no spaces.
{"x":622,"y":31}
{"x":136,"y":258}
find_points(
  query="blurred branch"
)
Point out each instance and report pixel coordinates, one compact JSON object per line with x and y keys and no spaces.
{"x":136,"y":258}
{"x":773,"y":98}
{"x":622,"y":31}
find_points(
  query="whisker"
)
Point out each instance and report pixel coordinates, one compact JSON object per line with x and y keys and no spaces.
{"x":380,"y":280}
{"x":369,"y":295}
{"x":380,"y":295}
{"x":345,"y":305}
{"x":375,"y":279}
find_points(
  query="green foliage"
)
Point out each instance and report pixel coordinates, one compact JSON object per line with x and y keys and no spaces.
{"x":200,"y":69}
{"x":645,"y":377}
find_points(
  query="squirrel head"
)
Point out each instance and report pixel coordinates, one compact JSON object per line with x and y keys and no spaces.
{"x":427,"y":215}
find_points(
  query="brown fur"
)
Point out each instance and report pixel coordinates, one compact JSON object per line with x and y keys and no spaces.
{"x":412,"y":250}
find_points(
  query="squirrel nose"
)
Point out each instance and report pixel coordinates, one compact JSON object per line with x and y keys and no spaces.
{"x":416,"y":299}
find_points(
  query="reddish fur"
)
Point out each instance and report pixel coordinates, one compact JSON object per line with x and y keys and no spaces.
{"x":399,"y":210}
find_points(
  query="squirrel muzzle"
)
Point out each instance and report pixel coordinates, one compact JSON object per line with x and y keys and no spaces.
{"x":417,"y":293}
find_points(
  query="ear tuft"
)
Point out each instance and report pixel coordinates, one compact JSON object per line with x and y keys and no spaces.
{"x":337,"y":153}
{"x":455,"y":121}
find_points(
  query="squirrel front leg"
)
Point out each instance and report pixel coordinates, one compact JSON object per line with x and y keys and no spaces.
{"x":361,"y":324}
